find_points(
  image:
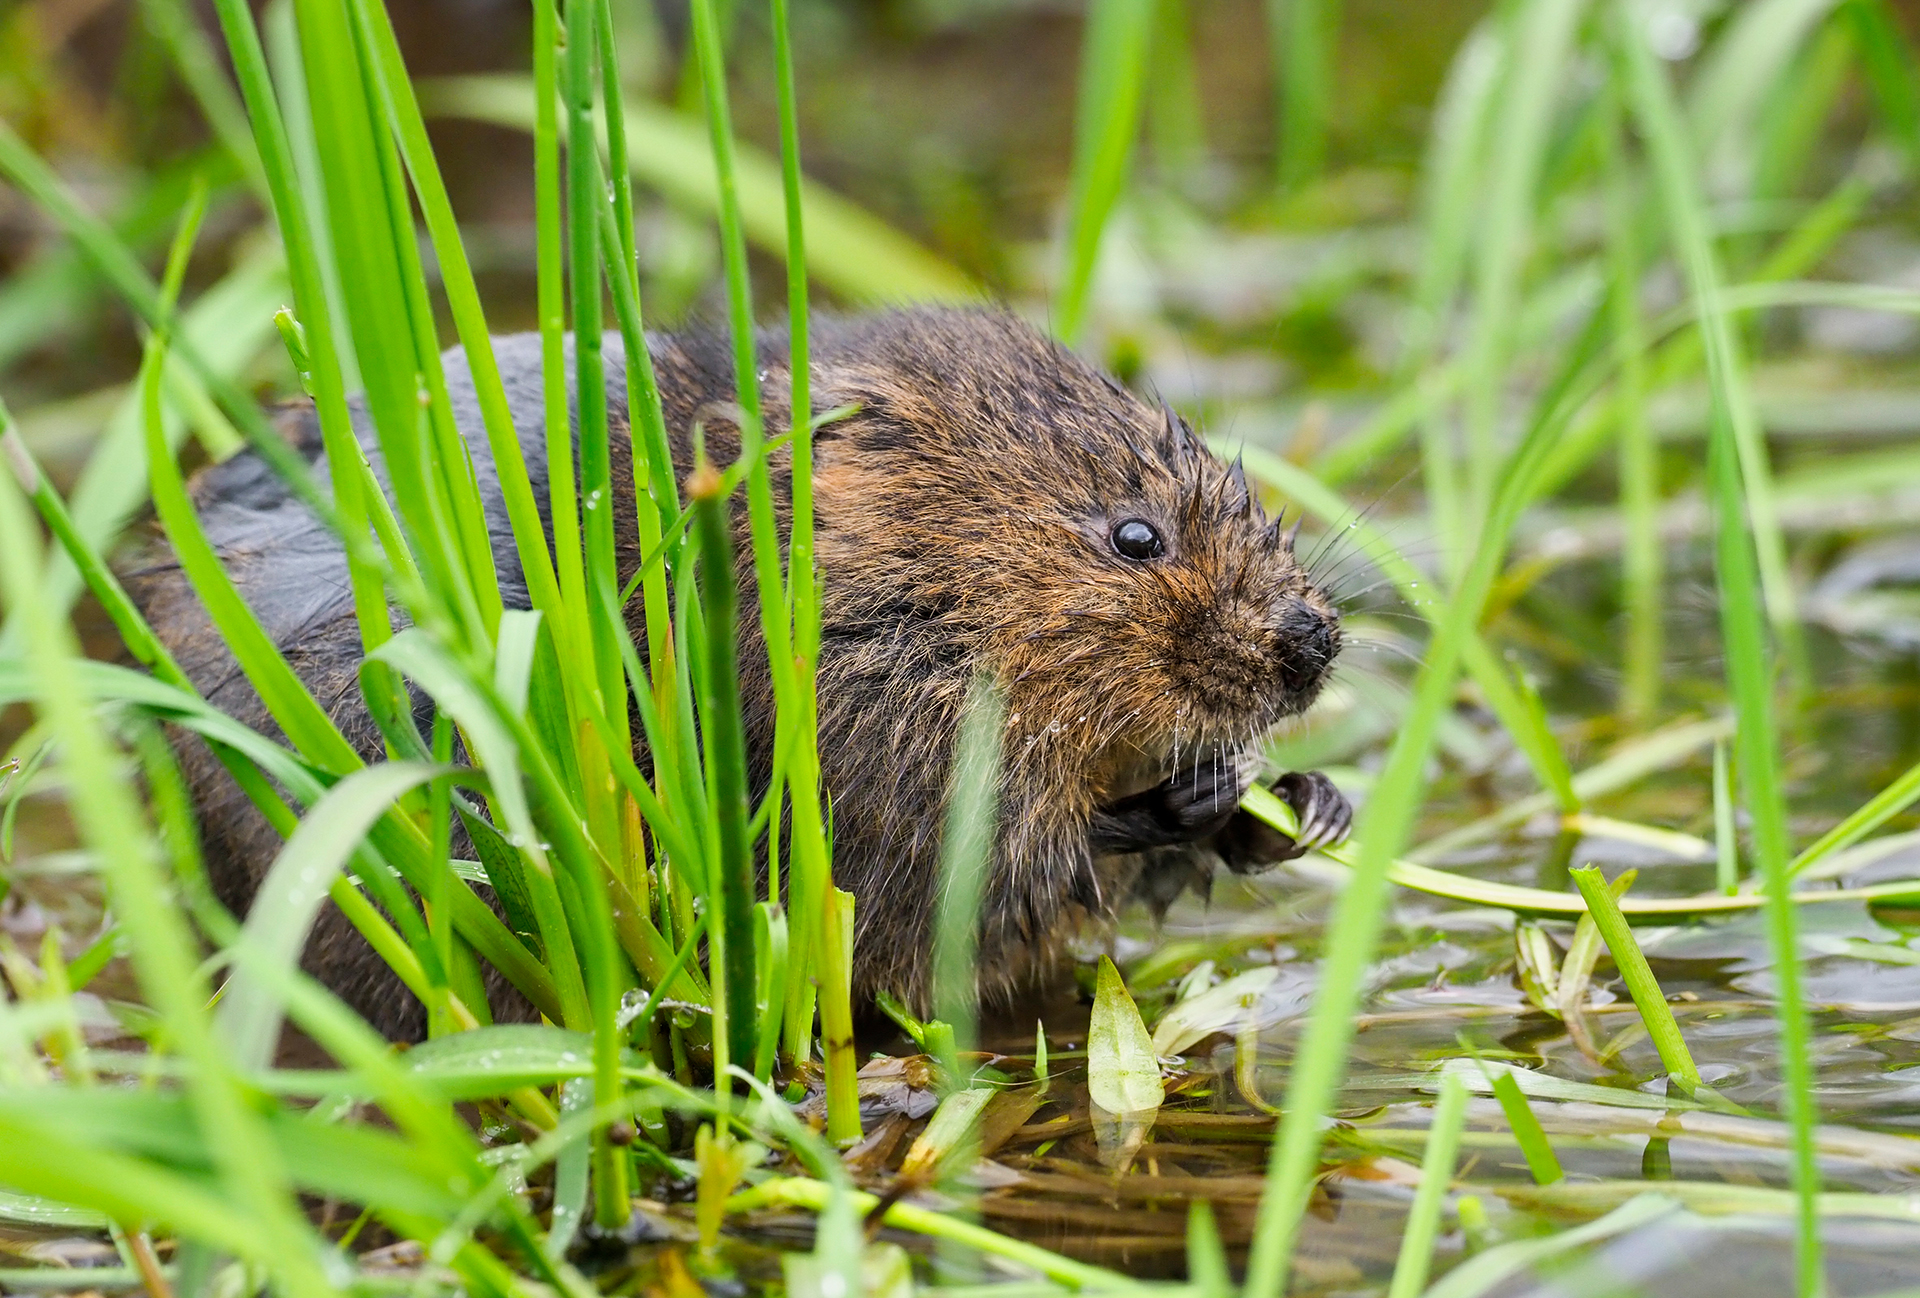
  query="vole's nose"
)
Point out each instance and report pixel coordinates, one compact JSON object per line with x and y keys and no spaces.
{"x":1307,"y":641}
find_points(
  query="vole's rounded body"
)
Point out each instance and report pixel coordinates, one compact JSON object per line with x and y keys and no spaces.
{"x":994,"y":505}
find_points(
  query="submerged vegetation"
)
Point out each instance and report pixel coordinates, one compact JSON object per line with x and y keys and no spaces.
{"x":1602,"y":410}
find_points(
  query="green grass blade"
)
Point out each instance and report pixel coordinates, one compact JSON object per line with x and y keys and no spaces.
{"x":1745,"y":64}
{"x":1176,"y":117}
{"x":463,"y":303}
{"x":291,"y":894}
{"x":1518,"y":706}
{"x":1207,"y":1269}
{"x":1638,"y":975}
{"x":1747,"y":543}
{"x":1452,"y":186}
{"x":1380,"y":834}
{"x":1882,"y":807}
{"x":111,"y":823}
{"x":1792,"y":125}
{"x":810,"y":883}
{"x":1675,"y":168}
{"x":492,"y":739}
{"x":385,"y":298}
{"x":1888,"y":58}
{"x":1304,"y":35}
{"x":286,"y":696}
{"x":799,"y":1192}
{"x":1534,"y":79}
{"x":1113,"y":69}
{"x":116,"y":264}
{"x":227,"y":326}
{"x":317,"y":291}
{"x":178,"y":30}
{"x":1726,"y":842}
{"x":1642,"y":560}
{"x":1539,"y":901}
{"x":1436,"y":1173}
{"x":1483,"y":1273}
{"x":99,"y":578}
{"x":1534,"y":1147}
{"x":732,"y":885}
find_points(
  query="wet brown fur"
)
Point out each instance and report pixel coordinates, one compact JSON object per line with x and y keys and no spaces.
{"x":964,"y":515}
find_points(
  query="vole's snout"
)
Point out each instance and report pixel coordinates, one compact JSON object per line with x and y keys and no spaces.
{"x":1307,"y":640}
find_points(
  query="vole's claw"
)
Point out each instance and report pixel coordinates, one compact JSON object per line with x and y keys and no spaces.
{"x":1325,"y":815}
{"x":1248,"y":844}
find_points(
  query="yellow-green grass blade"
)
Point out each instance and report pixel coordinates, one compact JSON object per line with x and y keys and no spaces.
{"x":798,"y":1192}
{"x":1882,"y":807}
{"x":1638,"y":975}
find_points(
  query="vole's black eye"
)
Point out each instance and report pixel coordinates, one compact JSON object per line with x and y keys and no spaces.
{"x":1137,"y":539}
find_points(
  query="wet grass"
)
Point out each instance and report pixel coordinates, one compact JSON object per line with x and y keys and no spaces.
{"x":1606,"y":433}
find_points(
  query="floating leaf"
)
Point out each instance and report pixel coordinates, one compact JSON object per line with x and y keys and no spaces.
{"x":954,"y":1125}
{"x":1217,"y":1009}
{"x":1123,"y":1073}
{"x":1539,"y":966}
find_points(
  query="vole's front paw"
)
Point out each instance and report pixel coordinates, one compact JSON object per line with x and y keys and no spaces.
{"x":1248,"y":844}
{"x":1200,"y":801}
{"x":1191,"y":805}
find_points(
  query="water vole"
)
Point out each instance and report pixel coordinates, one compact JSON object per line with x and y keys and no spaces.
{"x":994,"y":505}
